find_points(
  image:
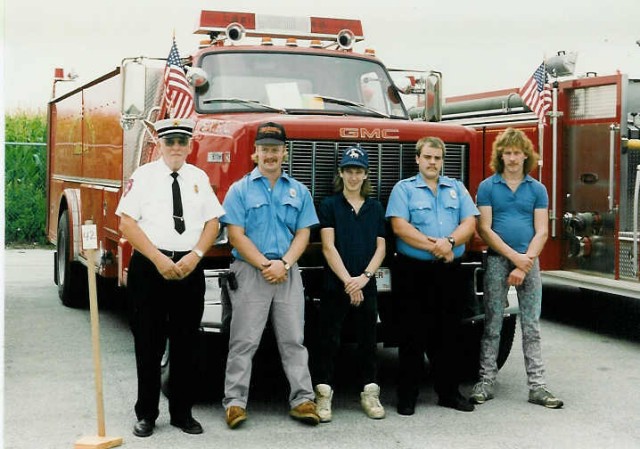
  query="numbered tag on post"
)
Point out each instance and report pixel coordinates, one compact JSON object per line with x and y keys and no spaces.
{"x":89,"y":236}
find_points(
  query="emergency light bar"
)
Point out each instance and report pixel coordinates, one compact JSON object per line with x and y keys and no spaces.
{"x":260,"y":25}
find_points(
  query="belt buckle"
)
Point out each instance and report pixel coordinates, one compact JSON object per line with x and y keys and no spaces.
{"x":169,"y":254}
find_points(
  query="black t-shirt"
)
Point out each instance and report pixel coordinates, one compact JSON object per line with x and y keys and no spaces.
{"x":355,"y":234}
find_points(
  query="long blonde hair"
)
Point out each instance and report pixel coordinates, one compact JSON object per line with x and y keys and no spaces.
{"x":513,"y":138}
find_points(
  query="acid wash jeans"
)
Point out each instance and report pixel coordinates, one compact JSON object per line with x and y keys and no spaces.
{"x":530,"y":302}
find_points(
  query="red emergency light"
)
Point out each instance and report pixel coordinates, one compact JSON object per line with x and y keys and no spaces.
{"x":259,"y":25}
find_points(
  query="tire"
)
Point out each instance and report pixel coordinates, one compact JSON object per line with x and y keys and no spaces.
{"x":71,"y":276}
{"x":209,"y":377}
{"x":471,"y":337}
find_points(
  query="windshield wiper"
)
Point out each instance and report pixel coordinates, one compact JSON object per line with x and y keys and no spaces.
{"x":244,"y":101}
{"x":353,"y":104}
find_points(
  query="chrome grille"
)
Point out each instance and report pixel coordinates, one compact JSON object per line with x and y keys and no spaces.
{"x":315,"y":164}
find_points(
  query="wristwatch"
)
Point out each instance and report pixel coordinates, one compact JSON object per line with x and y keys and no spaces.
{"x":368,"y":274}
{"x":452,"y":241}
{"x":286,"y":264}
{"x":199,"y":253}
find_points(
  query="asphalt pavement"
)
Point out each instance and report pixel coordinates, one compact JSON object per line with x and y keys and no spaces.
{"x":49,"y":395}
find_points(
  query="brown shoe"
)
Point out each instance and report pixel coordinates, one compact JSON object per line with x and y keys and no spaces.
{"x":235,"y":416}
{"x":306,"y":413}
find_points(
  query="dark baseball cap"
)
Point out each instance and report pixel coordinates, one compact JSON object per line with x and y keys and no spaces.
{"x":355,"y":157}
{"x":270,"y":133}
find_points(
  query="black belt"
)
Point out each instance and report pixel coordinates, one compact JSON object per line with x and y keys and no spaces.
{"x":174,"y":255}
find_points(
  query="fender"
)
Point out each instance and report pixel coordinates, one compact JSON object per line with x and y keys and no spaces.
{"x":73,"y":204}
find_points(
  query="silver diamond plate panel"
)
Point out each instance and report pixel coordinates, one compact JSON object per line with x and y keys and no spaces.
{"x":626,"y":260}
{"x":592,"y":102}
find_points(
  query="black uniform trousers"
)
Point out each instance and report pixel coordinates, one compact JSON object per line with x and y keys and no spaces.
{"x":164,"y":309}
{"x":335,"y":310}
{"x":430,"y":297}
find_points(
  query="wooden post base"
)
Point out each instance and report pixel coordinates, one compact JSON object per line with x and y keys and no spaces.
{"x":97,"y":442}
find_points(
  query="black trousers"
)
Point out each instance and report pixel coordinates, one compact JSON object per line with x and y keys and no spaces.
{"x":430,"y":296}
{"x":335,"y":308}
{"x":164,"y":309}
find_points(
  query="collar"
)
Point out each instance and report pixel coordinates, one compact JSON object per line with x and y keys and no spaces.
{"x":498,"y":179}
{"x":167,"y":171}
{"x":443,"y":181}
{"x":255,"y":174}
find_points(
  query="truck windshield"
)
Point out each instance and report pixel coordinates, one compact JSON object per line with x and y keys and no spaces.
{"x":297,"y":83}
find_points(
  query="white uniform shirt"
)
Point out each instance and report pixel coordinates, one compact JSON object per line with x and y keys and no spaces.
{"x":148,"y":200}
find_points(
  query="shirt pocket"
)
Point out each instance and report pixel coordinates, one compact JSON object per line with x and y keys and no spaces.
{"x":421,"y":213}
{"x":290,"y":210}
{"x":257,"y":210}
{"x":452,"y":207}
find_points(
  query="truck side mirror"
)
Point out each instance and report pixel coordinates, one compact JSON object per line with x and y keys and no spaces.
{"x":433,"y":97}
{"x":133,"y":91}
{"x":429,"y":95}
{"x":197,"y":77}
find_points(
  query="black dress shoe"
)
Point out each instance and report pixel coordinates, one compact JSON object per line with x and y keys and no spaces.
{"x":144,"y":427}
{"x":456,"y":401}
{"x":188,"y":425}
{"x":406,"y":407}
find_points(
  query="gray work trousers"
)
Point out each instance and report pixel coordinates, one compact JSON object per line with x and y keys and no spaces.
{"x":253,"y":303}
{"x":530,"y":302}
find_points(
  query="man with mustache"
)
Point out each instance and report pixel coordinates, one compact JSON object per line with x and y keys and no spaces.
{"x":514,"y":221}
{"x":268,"y":215}
{"x":432,"y":217}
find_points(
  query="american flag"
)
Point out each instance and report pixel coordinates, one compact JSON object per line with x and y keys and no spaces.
{"x":177,"y":94}
{"x":536,"y":93}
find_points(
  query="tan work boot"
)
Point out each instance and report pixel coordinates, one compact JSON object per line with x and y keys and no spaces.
{"x":235,"y":416}
{"x":306,"y":413}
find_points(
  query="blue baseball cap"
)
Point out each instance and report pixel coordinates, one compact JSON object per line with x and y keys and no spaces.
{"x":355,"y":157}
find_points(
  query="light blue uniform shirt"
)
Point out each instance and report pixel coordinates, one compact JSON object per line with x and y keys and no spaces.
{"x":512,"y":213}
{"x":433,"y":215}
{"x":270,"y":217}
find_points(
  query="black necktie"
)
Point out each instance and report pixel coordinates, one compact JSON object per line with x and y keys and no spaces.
{"x":178,"y":220}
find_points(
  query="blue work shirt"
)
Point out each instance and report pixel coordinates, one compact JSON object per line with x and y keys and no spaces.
{"x":355,"y":235}
{"x":270,"y":217}
{"x":513,"y":212}
{"x":433,"y":215}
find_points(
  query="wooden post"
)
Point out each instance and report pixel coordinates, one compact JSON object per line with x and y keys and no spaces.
{"x":89,"y":243}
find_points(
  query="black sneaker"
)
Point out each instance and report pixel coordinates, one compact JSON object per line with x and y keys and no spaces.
{"x":406,"y":407}
{"x":457,"y":402}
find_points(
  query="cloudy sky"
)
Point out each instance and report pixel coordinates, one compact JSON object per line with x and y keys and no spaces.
{"x":478,"y":45}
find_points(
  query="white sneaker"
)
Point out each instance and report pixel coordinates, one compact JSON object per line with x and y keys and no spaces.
{"x":324,"y":394}
{"x":370,"y":401}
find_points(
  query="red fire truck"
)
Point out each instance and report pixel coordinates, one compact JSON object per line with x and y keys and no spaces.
{"x":590,"y":165}
{"x":301,"y":72}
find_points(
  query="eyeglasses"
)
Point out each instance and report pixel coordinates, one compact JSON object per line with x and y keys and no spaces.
{"x":180,"y":140}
